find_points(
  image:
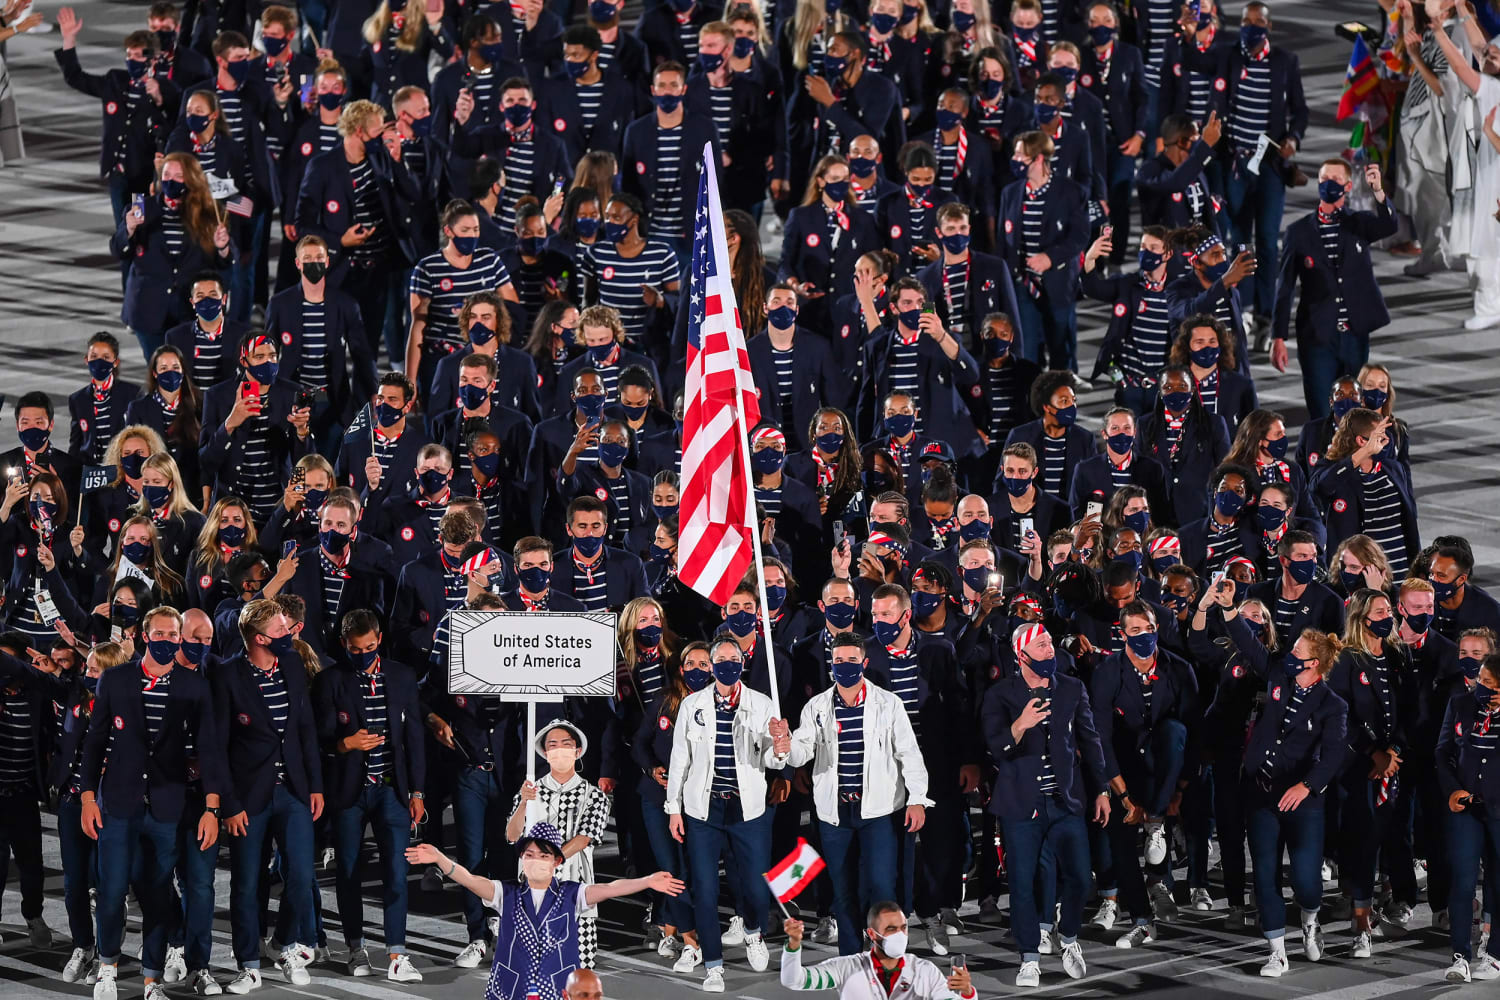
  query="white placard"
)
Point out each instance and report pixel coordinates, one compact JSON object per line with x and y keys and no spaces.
{"x":532,"y":655}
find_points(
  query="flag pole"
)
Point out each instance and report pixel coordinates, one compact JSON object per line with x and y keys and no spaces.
{"x":779,"y":903}
{"x":760,"y":574}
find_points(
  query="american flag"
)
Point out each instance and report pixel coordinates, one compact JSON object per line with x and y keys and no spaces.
{"x":717,"y":541}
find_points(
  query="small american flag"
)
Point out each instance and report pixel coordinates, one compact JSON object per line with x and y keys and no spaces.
{"x":716,"y":545}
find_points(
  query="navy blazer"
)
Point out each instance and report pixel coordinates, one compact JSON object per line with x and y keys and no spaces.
{"x":1081,"y":445}
{"x":153,"y":775}
{"x":901,"y":226}
{"x":515,"y":384}
{"x":1460,"y":764}
{"x":1353,"y":679}
{"x":1339,"y":493}
{"x":41,"y":690}
{"x":659,"y":31}
{"x":1123,"y":94}
{"x":990,"y":290}
{"x":339,"y":704}
{"x":1163,"y":190}
{"x":1071,"y":742}
{"x":157,"y":282}
{"x":1318,"y":608}
{"x":1127,"y":294}
{"x":817,"y":382}
{"x":639,"y":167}
{"x":343,"y":330}
{"x":141,"y":131}
{"x":84,"y":442}
{"x":252,"y":748}
{"x":624,"y":576}
{"x":562,"y":399}
{"x":1305,"y":262}
{"x":1310,"y":752}
{"x":1093,"y":475}
{"x":510,"y":426}
{"x":1065,"y":233}
{"x":588,"y":480}
{"x":1022,"y":373}
{"x":1235,"y":398}
{"x":872,"y":107}
{"x":421,"y":603}
{"x":807,"y":256}
{"x":757,"y":129}
{"x":1195,"y":535}
{"x":1205,"y":442}
{"x":399,"y":477}
{"x":182,"y":447}
{"x":941,"y":381}
{"x":550,"y":164}
{"x":221,"y":453}
{"x":1288,"y":113}
{"x":557,"y":109}
{"x":1186,"y":297}
{"x":945,"y":709}
{"x":446,"y":85}
{"x":184,"y":337}
{"x":402,"y":523}
{"x":364,"y":588}
{"x":325,"y":206}
{"x":480,"y":724}
{"x":1120,"y":709}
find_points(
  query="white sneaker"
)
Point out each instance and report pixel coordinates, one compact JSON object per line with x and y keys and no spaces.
{"x":1276,"y":965}
{"x":92,"y":975}
{"x":951,"y":922}
{"x":1419,"y":873}
{"x":174,"y":970}
{"x":359,"y":963}
{"x":104,"y":988}
{"x":689,"y":960}
{"x":493,"y":925}
{"x":247,"y":980}
{"x":268,"y":953}
{"x":756,"y":953}
{"x":1202,"y":900}
{"x":470,"y":957}
{"x":1481,"y":322}
{"x":1138,"y":936}
{"x":1484,"y":968}
{"x":735,"y":935}
{"x":937,"y":937}
{"x":1156,"y":843}
{"x":1312,"y":940}
{"x":713,"y":982}
{"x":1048,"y":943}
{"x":1362,"y":944}
{"x":1072,"y":959}
{"x":41,"y":934}
{"x":1458,"y":972}
{"x":205,"y":985}
{"x":1163,"y":906}
{"x":294,"y":966}
{"x":827,"y":931}
{"x":326,"y":861}
{"x":670,"y":946}
{"x":77,"y":963}
{"x":1030,"y":974}
{"x":1325,"y":872}
{"x":402,"y":971}
{"x":154,"y":991}
{"x":1398,"y":916}
{"x":1109,"y":912}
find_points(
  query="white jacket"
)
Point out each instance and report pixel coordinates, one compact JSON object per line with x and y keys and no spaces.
{"x":891,"y":753}
{"x":691,"y":771}
{"x":854,"y":977}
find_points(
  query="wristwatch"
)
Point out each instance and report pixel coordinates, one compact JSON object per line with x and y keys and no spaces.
{"x":212,"y":809}
{"x":418,"y":795}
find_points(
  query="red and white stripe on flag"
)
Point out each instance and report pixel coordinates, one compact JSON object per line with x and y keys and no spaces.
{"x":715,"y":547}
{"x":479,"y":559}
{"x":795,"y":872}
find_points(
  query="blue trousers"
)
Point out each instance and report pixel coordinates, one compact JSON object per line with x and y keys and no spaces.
{"x":289,"y":821}
{"x":389,"y":820}
{"x":1363,"y":827}
{"x":124,"y":844}
{"x":21,"y":835}
{"x":675,"y":911}
{"x":195,"y":886}
{"x":1066,"y":834}
{"x":1119,"y":179}
{"x":479,"y":806}
{"x":80,"y":871}
{"x":750,"y":840}
{"x":1302,"y":831}
{"x":1255,"y":206}
{"x":1345,"y":354}
{"x":1472,"y":836}
{"x":1050,"y":325}
{"x":861,"y":858}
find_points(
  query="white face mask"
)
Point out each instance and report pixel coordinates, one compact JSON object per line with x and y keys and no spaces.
{"x":562,"y":759}
{"x":537,"y":869}
{"x":893,"y":945}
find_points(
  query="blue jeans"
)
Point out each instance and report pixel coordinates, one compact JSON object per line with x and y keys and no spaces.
{"x":1048,"y":325}
{"x":1119,"y":179}
{"x":675,"y":911}
{"x":391,"y":823}
{"x":1322,"y":363}
{"x":1066,"y":834}
{"x":242,"y":274}
{"x":21,"y":835}
{"x":290,"y":823}
{"x":123,"y":844}
{"x":195,"y":878}
{"x":1363,"y":826}
{"x":1255,"y":206}
{"x":1473,"y":835}
{"x":1152,"y":776}
{"x":861,"y":857}
{"x":1302,"y":831}
{"x":80,"y":870}
{"x":479,"y":808}
{"x":750,"y":840}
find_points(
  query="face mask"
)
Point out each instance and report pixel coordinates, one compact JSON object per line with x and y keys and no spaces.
{"x":1019,"y":168}
{"x":741,"y":623}
{"x":1067,"y":415}
{"x":421,"y":127}
{"x":41,"y":511}
{"x":209,"y":308}
{"x":166,"y":39}
{"x":775,"y":597}
{"x":517,"y":115}
{"x":1470,"y":667}
{"x":839,"y":616}
{"x":664,"y":511}
{"x":330,"y":101}
{"x":588,"y":547}
{"x":281,"y":646}
{"x":898,"y":425}
{"x":1270,"y":518}
{"x":534,"y":579}
{"x":1177,"y":602}
{"x":1067,"y":74}
{"x":1302,"y":570}
{"x":1251,"y":35}
{"x":743,"y":47}
{"x":831,"y":443}
{"x":576,"y":70}
{"x":836,"y":190}
{"x":962,"y":22}
{"x":667,"y":103}
{"x":34,"y":438}
{"x":601,"y":12}
{"x":479,"y":334}
{"x":1131,"y":559}
{"x":1228,"y":502}
{"x":196,"y":652}
{"x":1138,"y":521}
{"x":472,"y":397}
{"x":156,"y":496}
{"x":833,"y":68}
{"x":492,"y":53}
{"x":782,"y":317}
{"x":615,"y":232}
{"x":1101,"y":35}
{"x":387,"y":415}
{"x":910,"y":318}
{"x":312,"y":501}
{"x":538,"y":869}
{"x":956,"y":243}
{"x":1374,"y":399}
{"x":990,"y":89}
{"x":125,"y":614}
{"x":465,"y":245}
{"x":231,"y":535}
{"x":313,"y":271}
{"x":612,"y":453}
{"x":1381,"y":627}
{"x":169,"y":381}
{"x":1142,"y":645}
{"x":265,"y":372}
{"x":909,"y":13}
{"x":767,"y":461}
{"x":334,"y":541}
{"x":137,"y":68}
{"x":1150,"y":259}
{"x":1016,"y":486}
{"x":883,"y":24}
{"x":1441,"y":591}
{"x":136,"y":552}
{"x":974,"y":530}
{"x":847,"y":674}
{"x":163,"y":650}
{"x":273,"y":46}
{"x":875,"y":481}
{"x":924,"y":605}
{"x":1121,"y":444}
{"x":562,"y":759}
{"x":1176,"y":402}
{"x":131,"y":465}
{"x":1046,"y":114}
{"x":1330,"y":191}
{"x":592,"y":407}
{"x":487,"y":465}
{"x":710,"y":61}
{"x":977,"y":579}
{"x":239,"y":72}
{"x":947,"y":120}
{"x":599,"y":354}
{"x":697,"y":680}
{"x":173,"y":189}
{"x":727,"y":672}
{"x":531,"y":246}
{"x":1291,"y":664}
{"x":1044,"y":668}
{"x":101,"y":369}
{"x":197,"y":123}
{"x":886,"y":633}
{"x":1213,"y":272}
{"x":1205,"y":357}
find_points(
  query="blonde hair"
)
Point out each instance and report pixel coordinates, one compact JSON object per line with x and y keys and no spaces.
{"x":605,"y":316}
{"x":178,"y":503}
{"x":117,"y":446}
{"x":1265,"y":614}
{"x":1326,"y":648}
{"x":811,"y":18}
{"x":254,"y":616}
{"x":1358,"y":422}
{"x":206,"y":549}
{"x":1357,"y":634}
{"x":200,"y":218}
{"x":109,"y":655}
{"x":166,"y":581}
{"x":813,"y":192}
{"x":625,"y":631}
{"x":411,"y":29}
{"x":356,"y":113}
{"x":1036,"y":144}
{"x":1365,"y":549}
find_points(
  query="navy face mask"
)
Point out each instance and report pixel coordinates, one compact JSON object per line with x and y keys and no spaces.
{"x":962,"y":22}
{"x":132,"y":465}
{"x":169,"y":381}
{"x":591,"y":406}
{"x":1381,"y":627}
{"x":839,"y":616}
{"x":1121,"y":444}
{"x":126,"y":614}
{"x":1067,"y":415}
{"x":767,"y":461}
{"x":612,"y":453}
{"x":775,"y":597}
{"x":996,"y":348}
{"x":741,"y":623}
{"x":472,"y":397}
{"x":727,"y":672}
{"x":1143,"y":645}
{"x":1205,"y":357}
{"x":898,"y":425}
{"x":883,"y":24}
{"x":1101,"y":35}
{"x":947,"y":119}
{"x":663,"y":511}
{"x":330,"y":101}
{"x":743,"y":47}
{"x":1342,"y":407}
{"x":1270,"y":518}
{"x":697,"y":680}
{"x":1418,"y":623}
{"x":136,"y":552}
{"x":924,"y":604}
{"x":101,"y":369}
{"x":1277,"y":448}
{"x":648,"y":636}
{"x":977,"y":579}
{"x":387,"y":415}
{"x":1374,"y":399}
{"x":265,"y":372}
{"x":847,"y":674}
{"x":163,"y":651}
{"x":782,"y":317}
{"x":432,"y":481}
{"x":831,"y":443}
{"x":1046,"y":669}
{"x":487,"y":465}
{"x":1131,"y":559}
{"x":156,"y":496}
{"x":974,"y":530}
{"x":209,"y":308}
{"x":534,"y":579}
{"x":1330,"y":191}
{"x":1302,"y":570}
{"x":1150,"y":259}
{"x":197,"y":123}
{"x":1176,"y":402}
{"x":1138,"y":522}
{"x":1228,"y":502}
{"x":334,"y":541}
{"x":1017,"y":486}
{"x":587,"y":546}
{"x":956,"y":243}
{"x":990,"y":88}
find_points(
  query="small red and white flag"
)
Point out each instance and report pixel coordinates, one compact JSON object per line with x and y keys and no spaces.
{"x":479,"y":559}
{"x":795,"y":872}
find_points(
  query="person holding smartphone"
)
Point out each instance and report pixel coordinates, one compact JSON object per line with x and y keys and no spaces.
{"x":876,"y":972}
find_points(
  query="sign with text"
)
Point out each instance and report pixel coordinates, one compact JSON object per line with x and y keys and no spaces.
{"x":531,"y":655}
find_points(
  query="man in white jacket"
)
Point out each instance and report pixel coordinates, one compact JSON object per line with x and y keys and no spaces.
{"x":726,"y":737}
{"x":866,"y":766}
{"x":884,"y":972}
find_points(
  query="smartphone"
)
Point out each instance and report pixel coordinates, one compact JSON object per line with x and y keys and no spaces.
{"x":139,"y":202}
{"x":957,"y":962}
{"x":995,"y":580}
{"x":288,"y":547}
{"x":305,"y":399}
{"x":838,"y":530}
{"x":250,"y":389}
{"x":1092,"y":508}
{"x":1107,"y":231}
{"x":1027,"y":527}
{"x":299,"y":478}
{"x":557,"y":186}
{"x":1043,"y":695}
{"x":929,"y":308}
{"x":307,"y":90}
{"x":376,"y":731}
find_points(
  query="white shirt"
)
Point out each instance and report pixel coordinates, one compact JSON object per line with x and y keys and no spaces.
{"x":855,"y":978}
{"x":691,"y":770}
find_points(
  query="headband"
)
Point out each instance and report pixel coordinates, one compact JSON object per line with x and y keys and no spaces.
{"x":1024,"y":636}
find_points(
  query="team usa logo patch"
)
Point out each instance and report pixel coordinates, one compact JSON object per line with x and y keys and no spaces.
{"x":307,"y":149}
{"x":640,"y":167}
{"x":976,"y":392}
{"x":1238,"y":671}
{"x":609,"y":274}
{"x":813,"y":240}
{"x":20,"y":552}
{"x":119,"y":722}
{"x":460,"y":701}
{"x":407,"y":534}
{"x":446,"y":284}
{"x":286,"y":337}
{"x":1219,"y":84}
{"x":602,"y":493}
{"x":844,"y":333}
{"x":83,"y":425}
{"x":1009,"y":226}
{"x":1364,"y":678}
{"x":1339,"y":506}
{"x":1276,"y":693}
{"x":114,"y":524}
{"x":663,"y":723}
{"x":1312,"y":459}
{"x":1176,"y":195}
{"x":204,"y":582}
{"x":243,"y":719}
{"x":343,"y":718}
{"x":1307,"y":262}
{"x":111,"y":108}
{"x":332,"y":207}
{"x":1087,"y":80}
{"x":895,"y":232}
{"x":1119,"y":309}
{"x":559,"y":124}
